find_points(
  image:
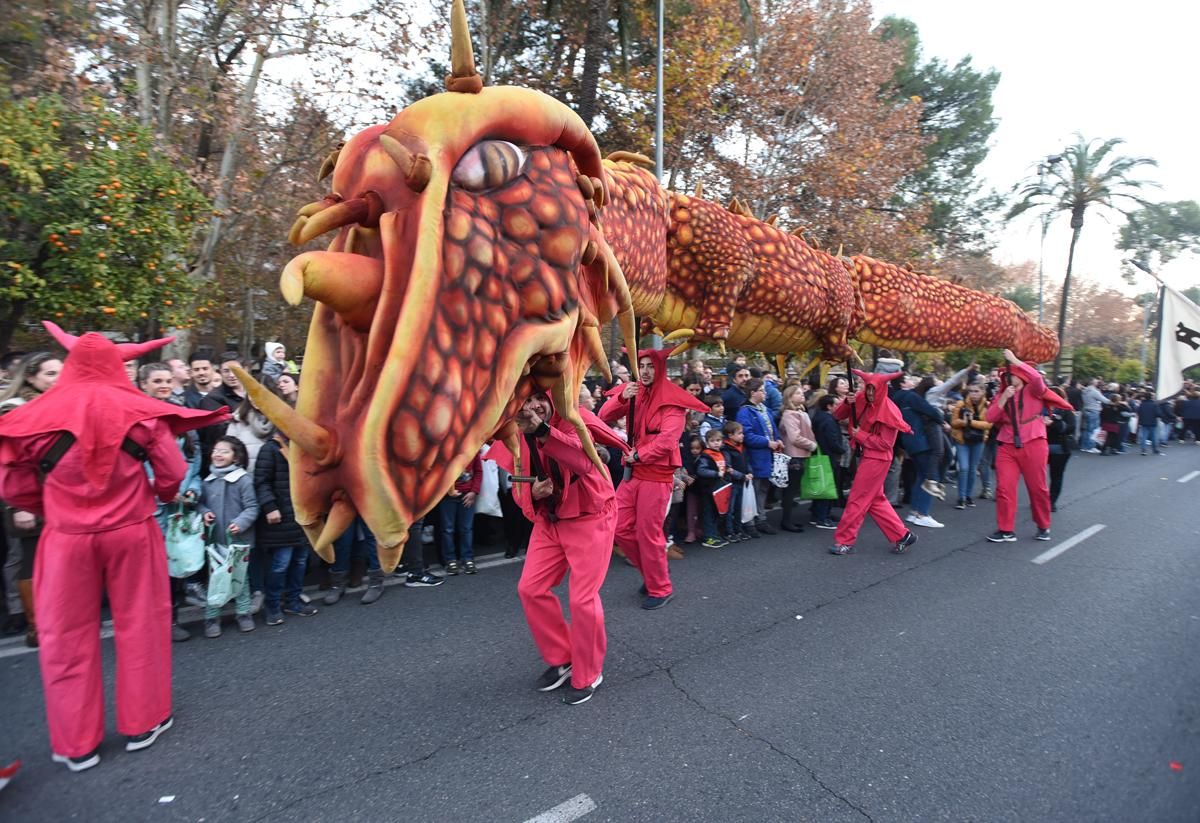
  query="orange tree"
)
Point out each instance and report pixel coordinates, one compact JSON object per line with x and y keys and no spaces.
{"x":94,"y":221}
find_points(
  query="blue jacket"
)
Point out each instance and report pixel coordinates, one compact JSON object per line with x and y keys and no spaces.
{"x":760,"y":429}
{"x":916,"y":411}
{"x":1149,"y":412}
{"x":774,"y":402}
{"x":734,"y":398}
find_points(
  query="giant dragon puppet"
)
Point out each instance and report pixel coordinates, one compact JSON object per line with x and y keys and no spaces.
{"x":481,"y":241}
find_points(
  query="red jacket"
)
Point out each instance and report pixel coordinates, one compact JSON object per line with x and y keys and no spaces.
{"x":1027,"y":406}
{"x":655,"y":436}
{"x":586,"y":490}
{"x":471,"y":480}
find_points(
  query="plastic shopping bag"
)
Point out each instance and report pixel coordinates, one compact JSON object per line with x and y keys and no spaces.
{"x":227,"y":566}
{"x":749,"y":503}
{"x":185,"y":541}
{"x":817,"y":482}
{"x":779,"y":470}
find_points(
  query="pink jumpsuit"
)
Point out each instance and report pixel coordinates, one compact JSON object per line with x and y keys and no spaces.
{"x":1029,"y":461}
{"x":577,"y":535}
{"x":97,"y":539}
{"x":866,"y":494}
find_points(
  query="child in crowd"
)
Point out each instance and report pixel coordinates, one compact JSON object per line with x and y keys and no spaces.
{"x":710,"y":475}
{"x":279,"y":535}
{"x":715,"y":419}
{"x":737,"y":471}
{"x":228,"y":504}
{"x":456,"y":515}
{"x":693,"y":505}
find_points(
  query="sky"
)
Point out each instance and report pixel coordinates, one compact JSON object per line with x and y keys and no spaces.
{"x":1097,"y":68}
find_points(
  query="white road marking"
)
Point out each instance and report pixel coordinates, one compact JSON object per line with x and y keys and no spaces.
{"x":1187,"y":477}
{"x":573,"y":809}
{"x":1046,"y":557}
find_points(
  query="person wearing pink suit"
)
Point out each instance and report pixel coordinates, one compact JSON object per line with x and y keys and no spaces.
{"x":77,"y":457}
{"x":1019,"y":427}
{"x":875,"y":421}
{"x":572,"y":507}
{"x":659,"y":413}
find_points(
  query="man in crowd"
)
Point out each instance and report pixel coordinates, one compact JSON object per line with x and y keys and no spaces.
{"x":735,"y":396}
{"x":181,"y":381}
{"x":203,"y":377}
{"x":1093,"y":399}
{"x":655,"y":423}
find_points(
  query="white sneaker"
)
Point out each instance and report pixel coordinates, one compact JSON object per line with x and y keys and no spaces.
{"x":927,"y":521}
{"x":912,"y":517}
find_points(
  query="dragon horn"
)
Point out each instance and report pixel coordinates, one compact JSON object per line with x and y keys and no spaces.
{"x":132,"y":351}
{"x":463,"y":76}
{"x":341,"y":516}
{"x":314,"y":438}
{"x":416,"y":168}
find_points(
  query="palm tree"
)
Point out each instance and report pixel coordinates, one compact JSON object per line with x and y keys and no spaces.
{"x":1088,"y":175}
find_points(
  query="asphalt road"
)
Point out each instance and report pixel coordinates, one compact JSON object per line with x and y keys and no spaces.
{"x":959,"y":682}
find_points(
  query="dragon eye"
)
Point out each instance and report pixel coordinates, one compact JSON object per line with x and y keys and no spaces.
{"x":488,"y":164}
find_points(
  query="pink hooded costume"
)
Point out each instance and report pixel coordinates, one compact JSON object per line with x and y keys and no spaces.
{"x":1020,"y":430}
{"x":100,"y":534}
{"x":572,"y":529}
{"x":642,"y":501}
{"x":876,"y":424}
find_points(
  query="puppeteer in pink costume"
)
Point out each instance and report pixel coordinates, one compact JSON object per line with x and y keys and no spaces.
{"x":655,"y":410}
{"x":76,"y":458}
{"x":574,"y":515}
{"x":875,"y":421}
{"x":1018,"y":424}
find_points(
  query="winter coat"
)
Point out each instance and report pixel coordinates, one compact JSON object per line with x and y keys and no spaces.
{"x":230,"y":496}
{"x":827,"y":433}
{"x":1060,"y":431}
{"x":1149,"y":413}
{"x":916,"y":411}
{"x":735,"y":462}
{"x":733,"y":398}
{"x":796,"y":433}
{"x":760,"y":430}
{"x":977,"y":422}
{"x":273,"y":490}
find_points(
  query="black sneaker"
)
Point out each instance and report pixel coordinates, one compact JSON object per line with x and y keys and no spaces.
{"x":652,"y":603}
{"x":826,"y":524}
{"x":469,"y":567}
{"x":274,"y":617}
{"x":452,"y":567}
{"x":553,"y":677}
{"x":300,"y":608}
{"x":143,"y":741}
{"x":961,"y":504}
{"x":1002,"y":537}
{"x":1043,"y":534}
{"x":573,"y":696}
{"x":970,"y":502}
{"x":752,"y":531}
{"x":766,"y":528}
{"x":904,"y":543}
{"x":78,"y":764}
{"x":424,"y":579}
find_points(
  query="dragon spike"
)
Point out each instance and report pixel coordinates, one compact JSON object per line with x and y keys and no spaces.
{"x":328,"y":165}
{"x":349,"y":284}
{"x":343,"y":214}
{"x":679,"y":334}
{"x":686,"y":345}
{"x":840,"y":247}
{"x":772,"y":220}
{"x":721,"y":346}
{"x":594,"y":346}
{"x":630,"y":157}
{"x":812,"y":364}
{"x":781,"y":361}
{"x":568,"y":408}
{"x":699,"y":189}
{"x":312,"y":437}
{"x":416,"y":168}
{"x":341,"y":517}
{"x":463,"y":76}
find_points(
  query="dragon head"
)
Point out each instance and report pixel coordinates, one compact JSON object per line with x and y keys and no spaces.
{"x":468,"y":269}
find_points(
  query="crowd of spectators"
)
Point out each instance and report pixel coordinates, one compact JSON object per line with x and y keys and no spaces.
{"x":239,"y":477}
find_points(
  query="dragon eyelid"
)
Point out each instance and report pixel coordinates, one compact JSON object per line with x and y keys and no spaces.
{"x":489,"y":164}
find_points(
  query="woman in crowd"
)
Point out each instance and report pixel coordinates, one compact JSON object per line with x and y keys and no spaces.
{"x":286,"y":387}
{"x":762,"y":441}
{"x":798,"y":444}
{"x":33,"y":377}
{"x":969,"y":425}
{"x":280,"y":537}
{"x":1113,"y":417}
{"x":828,"y":435}
{"x":1060,"y":435}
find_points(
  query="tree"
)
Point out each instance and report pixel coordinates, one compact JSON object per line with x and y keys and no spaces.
{"x":957,"y":119}
{"x":1090,"y":176}
{"x":1094,"y":361}
{"x":96,"y":221}
{"x":1160,"y":233}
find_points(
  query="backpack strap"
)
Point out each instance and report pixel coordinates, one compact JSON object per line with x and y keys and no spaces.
{"x":66,"y":440}
{"x":55,"y":452}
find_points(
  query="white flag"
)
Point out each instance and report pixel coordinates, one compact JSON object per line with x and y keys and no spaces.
{"x":1178,"y":341}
